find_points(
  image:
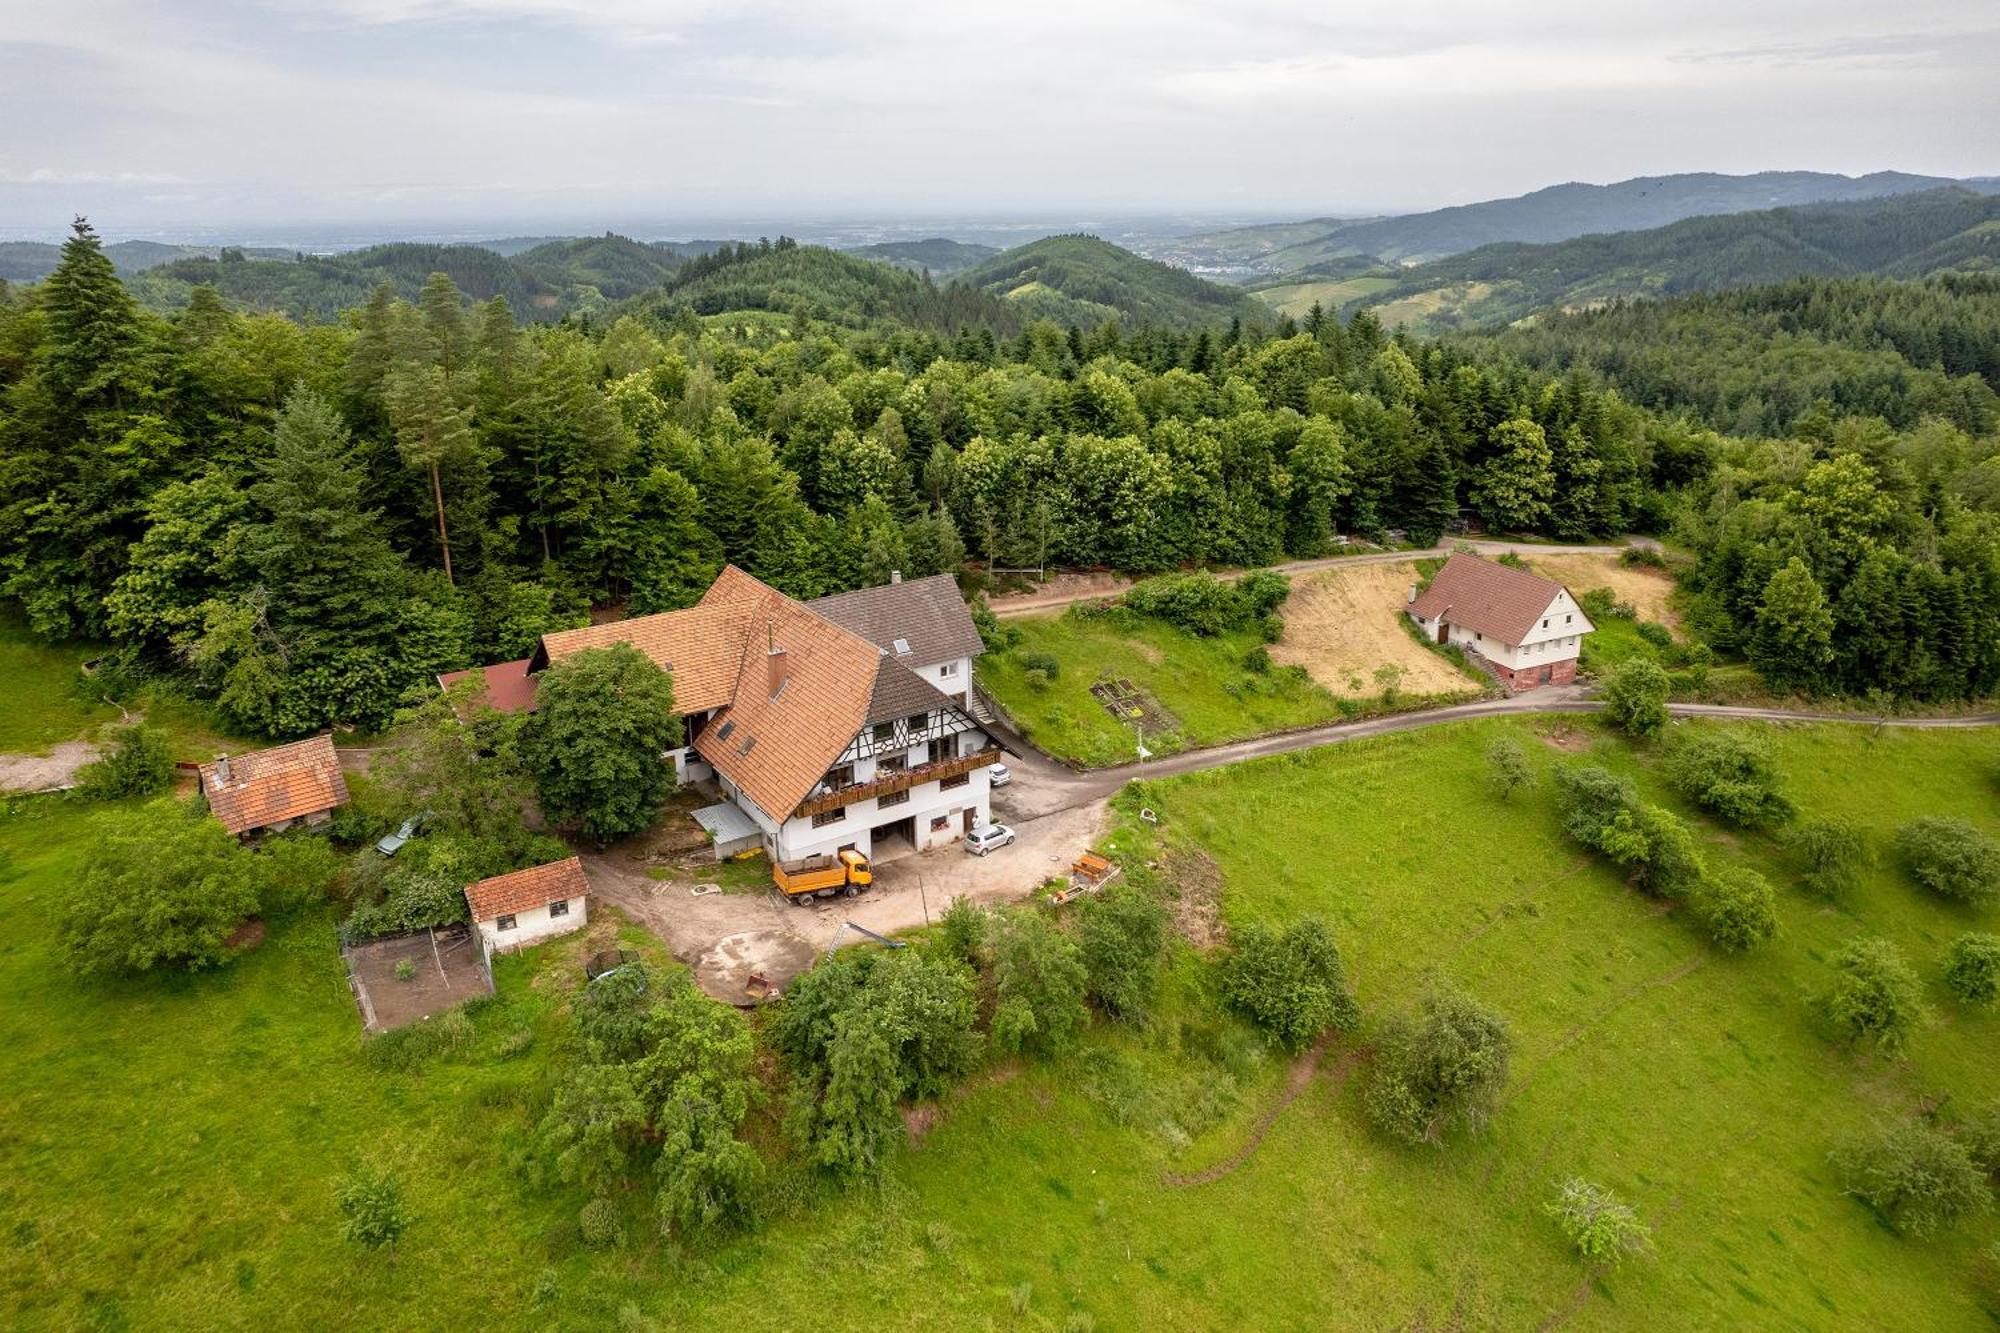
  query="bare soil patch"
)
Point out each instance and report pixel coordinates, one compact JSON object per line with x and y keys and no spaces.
{"x":1060,"y":589}
{"x":246,"y":936}
{"x":1342,"y":623}
{"x":1566,"y":737}
{"x":45,"y":772}
{"x":1644,"y":587}
{"x":445,"y":970}
{"x":1197,"y":885}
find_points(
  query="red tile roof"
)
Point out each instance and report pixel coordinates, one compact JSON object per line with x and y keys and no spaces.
{"x":701,"y":646}
{"x":1491,"y":598}
{"x":267,"y":787}
{"x":505,"y":686}
{"x":537,"y":886}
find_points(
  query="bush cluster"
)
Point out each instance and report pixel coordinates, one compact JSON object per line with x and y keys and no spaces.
{"x":1951,"y":858}
{"x":1731,"y":774}
{"x":1737,"y":908}
{"x":1290,"y":982}
{"x":1603,"y":812}
{"x":1205,"y":605}
{"x":138,"y":762}
{"x":1972,"y":968}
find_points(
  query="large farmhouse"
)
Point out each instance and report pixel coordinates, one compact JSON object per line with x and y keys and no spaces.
{"x":833,"y":724}
{"x":1525,"y":630}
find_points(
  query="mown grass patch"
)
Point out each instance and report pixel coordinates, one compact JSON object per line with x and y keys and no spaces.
{"x":46,"y":703}
{"x":1212,"y":686}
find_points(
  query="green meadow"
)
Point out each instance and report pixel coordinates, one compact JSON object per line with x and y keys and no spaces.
{"x":168,"y":1148}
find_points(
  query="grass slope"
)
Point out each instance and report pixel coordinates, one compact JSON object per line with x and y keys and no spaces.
{"x":168,"y":1149}
{"x":1204,"y":683}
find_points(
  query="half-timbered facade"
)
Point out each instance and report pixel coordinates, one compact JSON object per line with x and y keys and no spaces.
{"x":829,"y":724}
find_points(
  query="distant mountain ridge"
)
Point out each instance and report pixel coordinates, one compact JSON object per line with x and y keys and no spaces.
{"x":1898,"y":235}
{"x":1555,"y":213}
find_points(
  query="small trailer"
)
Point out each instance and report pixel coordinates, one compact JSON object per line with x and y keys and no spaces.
{"x":846,"y":873}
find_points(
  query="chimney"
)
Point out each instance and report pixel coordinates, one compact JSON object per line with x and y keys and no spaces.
{"x":1413,"y":592}
{"x":222,"y":770}
{"x":895,"y":576}
{"x":778,"y":667}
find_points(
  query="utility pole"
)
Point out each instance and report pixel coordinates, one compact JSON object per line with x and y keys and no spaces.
{"x":922,"y":894}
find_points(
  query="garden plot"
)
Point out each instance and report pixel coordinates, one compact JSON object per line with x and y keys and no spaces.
{"x":1344,"y":623}
{"x":1132,"y":706}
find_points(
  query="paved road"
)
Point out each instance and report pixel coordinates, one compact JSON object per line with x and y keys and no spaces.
{"x":1050,"y":786}
{"x":1033,"y":603}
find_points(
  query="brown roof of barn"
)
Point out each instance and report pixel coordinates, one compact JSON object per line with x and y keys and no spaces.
{"x":927,"y":614}
{"x":266,"y":787}
{"x":1491,"y":598}
{"x":506,"y":686}
{"x":537,"y":886}
{"x":701,"y":646}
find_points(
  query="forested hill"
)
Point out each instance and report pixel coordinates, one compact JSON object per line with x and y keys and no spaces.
{"x":1905,"y":236}
{"x":1085,"y":281}
{"x":936,"y":256}
{"x":816,"y":283}
{"x":1757,"y":361}
{"x":31,"y":261}
{"x":543,"y":282}
{"x":1556,"y":213}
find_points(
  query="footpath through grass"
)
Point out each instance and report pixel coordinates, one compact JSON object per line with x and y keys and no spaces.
{"x":168,"y":1149}
{"x":44,"y":706}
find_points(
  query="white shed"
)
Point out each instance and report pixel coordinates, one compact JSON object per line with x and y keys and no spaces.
{"x":515,"y":910}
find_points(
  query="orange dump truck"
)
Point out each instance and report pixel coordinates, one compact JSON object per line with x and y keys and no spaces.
{"x":847,"y":872}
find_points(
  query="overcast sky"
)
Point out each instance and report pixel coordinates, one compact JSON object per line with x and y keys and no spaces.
{"x":153,"y":115}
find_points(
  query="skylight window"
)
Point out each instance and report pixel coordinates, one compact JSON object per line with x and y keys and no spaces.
{"x":902,"y":647}
{"x":723,"y":733}
{"x":748,"y":743}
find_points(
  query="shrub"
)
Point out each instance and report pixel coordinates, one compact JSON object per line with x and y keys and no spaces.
{"x":962,"y":930}
{"x":412,"y":1047}
{"x":1834,"y":851}
{"x":1916,"y":1176}
{"x":1289,"y":982}
{"x":1981,"y":1137}
{"x":1122,"y":933}
{"x":927,"y":1002}
{"x":1874,"y":994}
{"x":1440,"y":1071}
{"x":1635,"y":697}
{"x":1046,"y":663}
{"x":1642,"y":555}
{"x":1594,"y":1220}
{"x":406,"y":970}
{"x":1036,"y":679}
{"x":1951,"y":858}
{"x":1204,"y":605}
{"x":1039,"y":982}
{"x":1258,"y":661}
{"x":162,"y":886}
{"x":138,"y":762}
{"x":1737,"y":908}
{"x":1972,"y":968}
{"x":598,"y":1223}
{"x":300,"y":871}
{"x":995,"y":636}
{"x":371,"y":1202}
{"x":1658,"y":635}
{"x":1509,"y":765}
{"x":1730,"y":773}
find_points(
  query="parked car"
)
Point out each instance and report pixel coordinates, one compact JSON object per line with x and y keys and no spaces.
{"x":410,"y":828}
{"x":986,"y":837}
{"x":998,"y":775}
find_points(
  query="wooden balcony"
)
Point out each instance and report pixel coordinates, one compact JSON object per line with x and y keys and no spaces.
{"x":820,"y":802}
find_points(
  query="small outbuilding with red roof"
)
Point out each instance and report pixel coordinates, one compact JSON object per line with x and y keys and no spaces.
{"x":515,"y":910}
{"x":267,"y":790}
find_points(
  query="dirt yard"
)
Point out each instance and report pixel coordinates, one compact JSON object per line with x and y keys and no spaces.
{"x":1342,"y":623}
{"x":1647,"y":589}
{"x":444,"y":971}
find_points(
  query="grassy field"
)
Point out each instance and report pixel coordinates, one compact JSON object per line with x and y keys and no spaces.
{"x":1296,"y":299}
{"x":44,"y":705}
{"x":1204,"y":683}
{"x":168,"y":1149}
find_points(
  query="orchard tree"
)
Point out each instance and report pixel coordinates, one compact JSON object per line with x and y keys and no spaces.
{"x":1875,"y":996}
{"x":1440,"y":1071}
{"x":604,"y":721}
{"x":162,"y":886}
{"x":1915,"y":1175}
{"x":1951,"y":858}
{"x":1737,"y":908}
{"x":1972,"y":968}
{"x":1603,"y":1228}
{"x":1834,"y":851}
{"x":1509,"y":765}
{"x":1730,"y":773}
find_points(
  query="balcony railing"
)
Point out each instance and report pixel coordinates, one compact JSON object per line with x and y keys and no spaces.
{"x":821,"y":801}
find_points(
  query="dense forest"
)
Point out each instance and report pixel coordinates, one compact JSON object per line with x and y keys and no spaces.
{"x":303,"y":521}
